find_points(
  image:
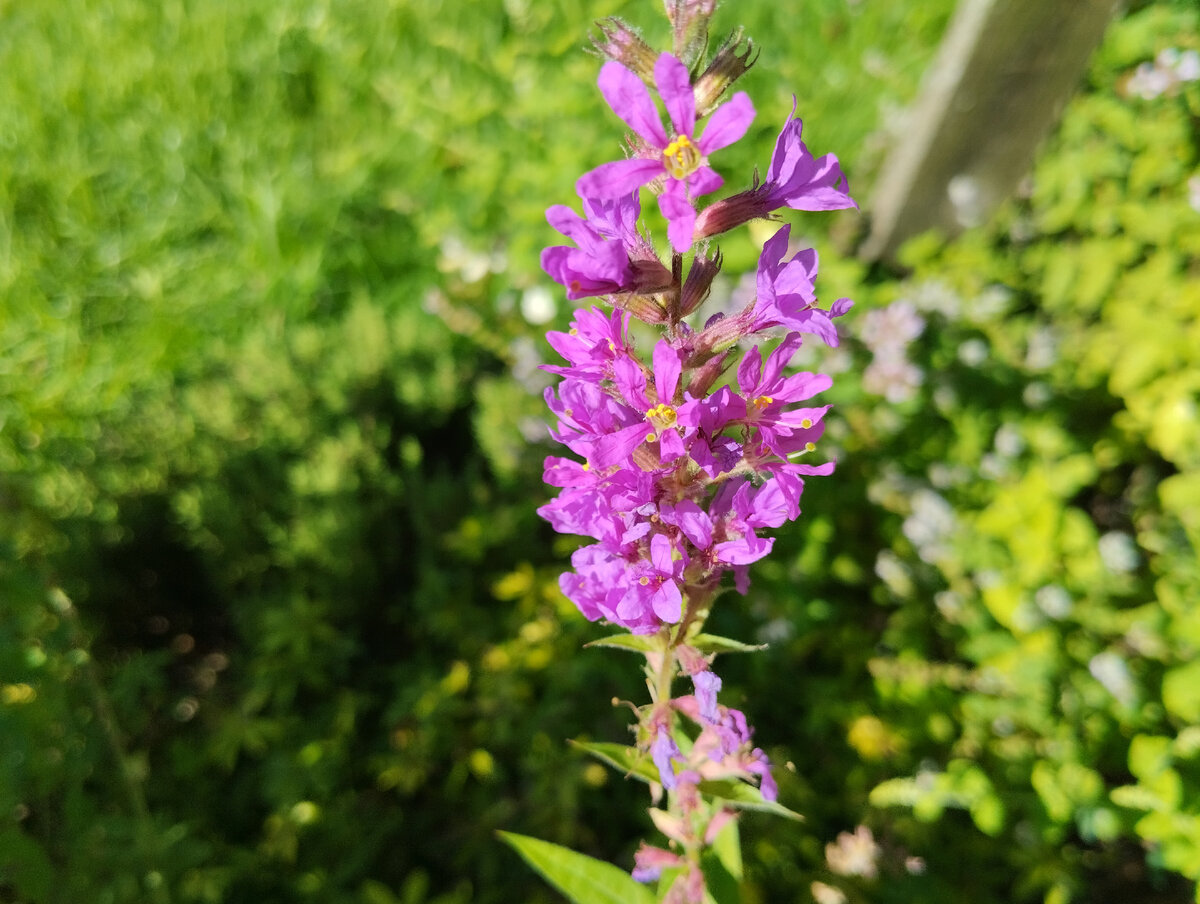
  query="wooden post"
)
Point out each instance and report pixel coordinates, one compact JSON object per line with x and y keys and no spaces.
{"x":1001,"y":77}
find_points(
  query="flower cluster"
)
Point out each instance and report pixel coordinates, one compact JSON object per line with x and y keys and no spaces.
{"x":682,"y":457}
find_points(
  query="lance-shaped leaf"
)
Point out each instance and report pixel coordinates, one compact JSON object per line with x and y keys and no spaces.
{"x":712,"y":643}
{"x":628,"y":760}
{"x":635,"y":643}
{"x":583,"y":879}
{"x":744,"y":796}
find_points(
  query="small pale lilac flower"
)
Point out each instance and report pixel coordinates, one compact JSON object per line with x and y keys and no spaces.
{"x":664,"y":750}
{"x":680,"y":160}
{"x":896,"y":379}
{"x":891,"y":327}
{"x":649,"y":862}
{"x":707,"y":685}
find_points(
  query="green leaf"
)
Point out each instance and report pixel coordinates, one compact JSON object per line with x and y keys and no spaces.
{"x":628,"y":760}
{"x":635,"y":643}
{"x":727,"y":848}
{"x":746,"y":797}
{"x":712,"y":643}
{"x":583,"y":879}
{"x":722,"y":887}
{"x":1181,"y":692}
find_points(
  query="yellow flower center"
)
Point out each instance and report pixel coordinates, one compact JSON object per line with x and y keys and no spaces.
{"x":762,"y":402}
{"x":806,"y":423}
{"x":661,"y":416}
{"x":681,"y":157}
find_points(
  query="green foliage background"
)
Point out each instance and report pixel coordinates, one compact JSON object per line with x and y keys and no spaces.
{"x":277,"y":621}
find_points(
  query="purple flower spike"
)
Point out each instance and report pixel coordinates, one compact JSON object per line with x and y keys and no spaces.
{"x":681,"y":160}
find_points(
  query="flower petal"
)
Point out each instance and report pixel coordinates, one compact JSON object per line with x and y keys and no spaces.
{"x":704,"y":180}
{"x":618,"y":178}
{"x":667,"y":369}
{"x":675,"y":88}
{"x":630,"y":100}
{"x":680,"y":214}
{"x":727,"y":124}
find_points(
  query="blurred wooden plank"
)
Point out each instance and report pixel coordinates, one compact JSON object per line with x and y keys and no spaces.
{"x":1001,"y":77}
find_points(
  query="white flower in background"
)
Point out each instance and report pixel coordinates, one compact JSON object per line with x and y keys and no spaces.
{"x":1009,"y":441}
{"x":891,"y":328}
{"x":973,"y":352}
{"x":1193,"y":187}
{"x":890,"y":569}
{"x":777,"y":630}
{"x":1170,"y":69}
{"x":854,"y":855}
{"x":949,"y":604}
{"x":896,"y":379}
{"x":1119,"y":552}
{"x":944,"y":476}
{"x":826,"y":894}
{"x":538,"y":305}
{"x":887,"y":332}
{"x":1036,"y":394}
{"x":931,"y":525}
{"x":989,"y":304}
{"x":1042,"y":349}
{"x":470,"y":265}
{"x":936,"y":297}
{"x":1112,"y":671}
{"x":1054,"y":601}
{"x":993,"y":466}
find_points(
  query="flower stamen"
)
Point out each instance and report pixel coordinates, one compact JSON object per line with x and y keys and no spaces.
{"x":681,"y":157}
{"x":662,"y":416}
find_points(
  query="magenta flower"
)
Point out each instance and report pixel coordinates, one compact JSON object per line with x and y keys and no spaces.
{"x":681,"y":159}
{"x":786,"y":294}
{"x":767,"y":391}
{"x":600,"y":264}
{"x":655,"y":588}
{"x":795,"y":179}
{"x":611,"y":257}
{"x":595,"y":341}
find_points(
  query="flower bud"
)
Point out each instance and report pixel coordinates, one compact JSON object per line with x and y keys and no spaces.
{"x":699,"y":281}
{"x":617,"y":41}
{"x":732,"y":61}
{"x":689,"y":21}
{"x":729,"y":213}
